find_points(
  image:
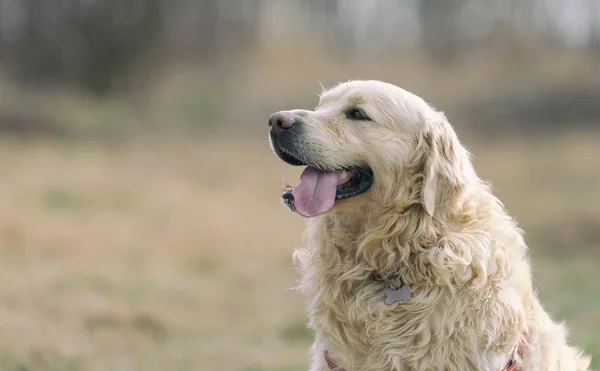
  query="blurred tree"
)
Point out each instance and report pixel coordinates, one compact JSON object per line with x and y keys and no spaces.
{"x":88,"y":44}
{"x":439,"y":29}
{"x":92,"y":43}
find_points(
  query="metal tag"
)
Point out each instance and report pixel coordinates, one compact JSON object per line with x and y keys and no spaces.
{"x":393,"y":295}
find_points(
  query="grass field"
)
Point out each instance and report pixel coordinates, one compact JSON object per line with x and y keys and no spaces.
{"x":176,"y":255}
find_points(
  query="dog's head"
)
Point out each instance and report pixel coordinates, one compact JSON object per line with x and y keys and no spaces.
{"x":369,"y":141}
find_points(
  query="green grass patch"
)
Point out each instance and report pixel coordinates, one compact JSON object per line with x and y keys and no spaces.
{"x":58,"y":199}
{"x":297,"y":332}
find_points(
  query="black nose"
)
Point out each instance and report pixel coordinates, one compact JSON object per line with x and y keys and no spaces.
{"x":280,"y":121}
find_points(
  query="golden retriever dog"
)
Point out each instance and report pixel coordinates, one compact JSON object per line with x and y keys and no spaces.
{"x":409,"y":260}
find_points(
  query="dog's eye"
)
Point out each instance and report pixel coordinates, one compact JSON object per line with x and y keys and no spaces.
{"x":356,"y":114}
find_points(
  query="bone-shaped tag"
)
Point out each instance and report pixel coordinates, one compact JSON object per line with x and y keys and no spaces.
{"x":394,"y":295}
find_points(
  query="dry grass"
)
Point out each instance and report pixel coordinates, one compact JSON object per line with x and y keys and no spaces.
{"x":177,"y":255}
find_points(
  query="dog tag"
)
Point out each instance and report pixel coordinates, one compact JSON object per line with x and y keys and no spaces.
{"x":400,"y":294}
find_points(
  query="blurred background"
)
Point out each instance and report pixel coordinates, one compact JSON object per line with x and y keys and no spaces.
{"x":140,"y":217}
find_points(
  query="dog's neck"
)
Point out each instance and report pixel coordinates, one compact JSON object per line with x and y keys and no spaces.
{"x":406,"y":246}
{"x":385,"y":247}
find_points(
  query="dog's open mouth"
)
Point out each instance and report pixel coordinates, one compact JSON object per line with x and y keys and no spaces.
{"x":319,"y":188}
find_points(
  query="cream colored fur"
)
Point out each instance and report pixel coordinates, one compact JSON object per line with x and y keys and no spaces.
{"x":429,"y":218}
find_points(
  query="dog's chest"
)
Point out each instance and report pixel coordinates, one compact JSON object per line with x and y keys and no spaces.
{"x":361,"y":330}
{"x":358,"y":317}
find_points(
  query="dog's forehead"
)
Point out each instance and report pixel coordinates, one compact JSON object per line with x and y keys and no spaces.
{"x":355,"y":93}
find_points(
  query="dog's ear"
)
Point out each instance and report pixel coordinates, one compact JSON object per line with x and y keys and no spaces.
{"x":441,"y":163}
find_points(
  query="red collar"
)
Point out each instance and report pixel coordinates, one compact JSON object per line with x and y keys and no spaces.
{"x":512,"y":365}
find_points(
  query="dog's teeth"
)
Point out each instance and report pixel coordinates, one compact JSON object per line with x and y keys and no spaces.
{"x":345,"y":175}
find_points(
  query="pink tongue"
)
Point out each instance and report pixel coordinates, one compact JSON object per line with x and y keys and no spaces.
{"x":316,"y":192}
